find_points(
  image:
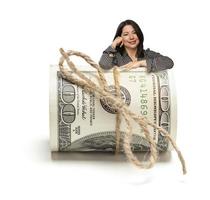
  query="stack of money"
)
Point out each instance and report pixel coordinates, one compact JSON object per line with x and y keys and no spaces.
{"x":80,"y":121}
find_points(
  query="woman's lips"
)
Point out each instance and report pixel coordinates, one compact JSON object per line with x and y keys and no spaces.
{"x":133,"y":42}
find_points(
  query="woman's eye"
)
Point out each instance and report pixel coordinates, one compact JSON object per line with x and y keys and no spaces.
{"x":125,"y":34}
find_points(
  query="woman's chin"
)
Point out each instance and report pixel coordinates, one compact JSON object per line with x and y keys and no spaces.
{"x":134,"y":46}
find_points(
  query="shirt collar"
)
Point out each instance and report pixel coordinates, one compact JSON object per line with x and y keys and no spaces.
{"x":125,"y":54}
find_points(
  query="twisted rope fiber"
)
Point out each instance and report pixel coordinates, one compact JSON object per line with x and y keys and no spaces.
{"x":123,"y":112}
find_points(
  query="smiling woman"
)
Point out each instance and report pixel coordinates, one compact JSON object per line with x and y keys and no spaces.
{"x":127,"y":49}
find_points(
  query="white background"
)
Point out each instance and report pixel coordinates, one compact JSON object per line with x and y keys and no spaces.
{"x":31,"y":33}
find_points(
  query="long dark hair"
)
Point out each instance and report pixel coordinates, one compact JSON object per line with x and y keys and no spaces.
{"x":140,"y":47}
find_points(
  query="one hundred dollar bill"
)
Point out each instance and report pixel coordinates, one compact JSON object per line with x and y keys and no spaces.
{"x":80,"y":121}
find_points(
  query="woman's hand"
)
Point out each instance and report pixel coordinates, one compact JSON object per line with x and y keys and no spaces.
{"x":135,"y":64}
{"x":117,"y":42}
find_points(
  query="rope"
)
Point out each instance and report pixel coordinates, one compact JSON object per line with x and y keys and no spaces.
{"x":123,"y":112}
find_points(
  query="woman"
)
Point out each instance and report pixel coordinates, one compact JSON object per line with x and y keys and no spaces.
{"x":127,"y":49}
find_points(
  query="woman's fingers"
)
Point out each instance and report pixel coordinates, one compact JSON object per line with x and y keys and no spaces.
{"x":131,"y":65}
{"x":119,"y":40}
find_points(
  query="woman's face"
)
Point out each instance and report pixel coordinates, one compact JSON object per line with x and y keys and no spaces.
{"x":129,"y":37}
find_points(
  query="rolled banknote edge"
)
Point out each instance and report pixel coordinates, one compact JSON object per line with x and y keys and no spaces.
{"x":173,"y":107}
{"x":53,"y":108}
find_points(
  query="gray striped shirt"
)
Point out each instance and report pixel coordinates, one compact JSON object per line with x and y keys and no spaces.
{"x":155,"y":61}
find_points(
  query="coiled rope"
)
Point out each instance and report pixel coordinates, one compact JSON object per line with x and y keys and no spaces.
{"x":123,"y":112}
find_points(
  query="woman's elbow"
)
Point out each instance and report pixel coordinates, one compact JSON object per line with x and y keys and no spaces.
{"x":105,"y":66}
{"x":169,"y":62}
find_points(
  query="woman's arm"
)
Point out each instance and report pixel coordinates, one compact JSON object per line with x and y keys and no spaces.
{"x":107,"y":60}
{"x":157,"y":62}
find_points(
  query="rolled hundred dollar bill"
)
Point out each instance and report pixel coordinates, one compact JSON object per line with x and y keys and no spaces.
{"x":80,"y":121}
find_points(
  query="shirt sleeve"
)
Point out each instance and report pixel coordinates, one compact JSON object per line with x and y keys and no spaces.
{"x":108,"y":58}
{"x":157,"y":62}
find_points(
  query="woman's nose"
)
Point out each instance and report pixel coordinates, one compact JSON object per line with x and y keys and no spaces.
{"x":131,"y":36}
